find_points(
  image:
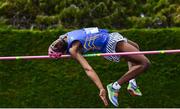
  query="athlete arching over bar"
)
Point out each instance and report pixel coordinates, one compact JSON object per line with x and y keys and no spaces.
{"x":94,"y":39}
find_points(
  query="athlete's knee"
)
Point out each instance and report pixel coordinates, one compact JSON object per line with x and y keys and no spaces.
{"x":146,"y":64}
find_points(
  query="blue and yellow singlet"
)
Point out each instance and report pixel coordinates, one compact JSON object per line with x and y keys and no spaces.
{"x":91,"y":39}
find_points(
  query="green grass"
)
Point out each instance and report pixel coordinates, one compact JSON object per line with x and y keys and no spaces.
{"x":63,"y":83}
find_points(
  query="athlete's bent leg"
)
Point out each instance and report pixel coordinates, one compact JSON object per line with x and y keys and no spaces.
{"x":140,"y":64}
{"x":133,"y":88}
{"x":140,"y":61}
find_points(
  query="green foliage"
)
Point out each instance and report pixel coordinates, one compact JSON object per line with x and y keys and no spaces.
{"x":84,"y":13}
{"x":70,"y":15}
{"x":176,"y":16}
{"x":63,"y":83}
{"x":47,"y":21}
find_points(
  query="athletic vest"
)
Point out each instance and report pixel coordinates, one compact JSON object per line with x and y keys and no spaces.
{"x":92,"y":39}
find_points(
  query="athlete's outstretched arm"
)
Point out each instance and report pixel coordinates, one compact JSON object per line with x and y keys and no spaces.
{"x":75,"y":53}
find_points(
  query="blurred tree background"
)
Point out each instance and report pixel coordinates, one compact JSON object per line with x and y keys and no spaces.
{"x":49,"y":14}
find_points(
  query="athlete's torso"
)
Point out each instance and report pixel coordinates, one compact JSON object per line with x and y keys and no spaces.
{"x":91,"y":39}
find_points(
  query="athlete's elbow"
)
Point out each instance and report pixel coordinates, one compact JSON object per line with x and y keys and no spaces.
{"x":146,"y":64}
{"x":88,"y":71}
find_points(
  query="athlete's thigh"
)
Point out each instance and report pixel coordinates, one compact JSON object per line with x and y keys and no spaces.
{"x":126,"y":47}
{"x":133,"y":43}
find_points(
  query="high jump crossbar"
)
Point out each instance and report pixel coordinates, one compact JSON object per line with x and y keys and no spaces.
{"x":93,"y":55}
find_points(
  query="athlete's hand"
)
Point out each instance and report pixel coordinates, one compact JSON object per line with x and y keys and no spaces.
{"x":102,"y":95}
{"x":54,"y":54}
